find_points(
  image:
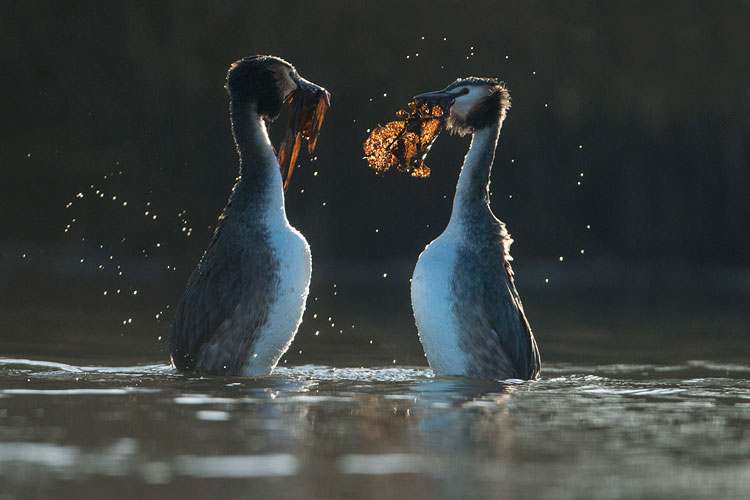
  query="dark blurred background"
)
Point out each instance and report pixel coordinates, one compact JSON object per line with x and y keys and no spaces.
{"x":623,"y":170}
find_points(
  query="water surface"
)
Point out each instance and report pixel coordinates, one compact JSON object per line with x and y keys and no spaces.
{"x":581,"y":431}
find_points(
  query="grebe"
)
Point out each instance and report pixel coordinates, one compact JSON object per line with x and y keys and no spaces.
{"x":467,"y":310}
{"x":244,"y":301}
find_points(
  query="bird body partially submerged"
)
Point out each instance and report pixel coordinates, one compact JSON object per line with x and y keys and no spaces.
{"x":244,"y":301}
{"x":467,"y":310}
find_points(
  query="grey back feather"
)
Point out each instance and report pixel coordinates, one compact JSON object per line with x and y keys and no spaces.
{"x":227,"y":300}
{"x":495,"y":333}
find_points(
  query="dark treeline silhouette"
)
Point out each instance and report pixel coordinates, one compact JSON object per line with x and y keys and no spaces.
{"x":648,"y":100}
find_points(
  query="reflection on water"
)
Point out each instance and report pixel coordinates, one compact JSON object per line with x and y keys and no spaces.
{"x":612,"y":431}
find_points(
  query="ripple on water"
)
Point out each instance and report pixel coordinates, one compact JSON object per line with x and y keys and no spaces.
{"x":78,"y":392}
{"x":636,"y":425}
{"x":704,"y":382}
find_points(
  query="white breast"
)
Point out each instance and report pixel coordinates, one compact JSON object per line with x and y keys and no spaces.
{"x":295,"y":268}
{"x":432,"y":302}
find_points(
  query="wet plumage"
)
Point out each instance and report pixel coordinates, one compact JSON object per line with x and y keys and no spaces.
{"x":244,"y":301}
{"x":468,"y":313}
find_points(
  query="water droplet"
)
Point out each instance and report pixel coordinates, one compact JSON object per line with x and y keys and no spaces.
{"x":546,"y":280}
{"x":560,"y":258}
{"x":385,"y":275}
{"x":317,"y":332}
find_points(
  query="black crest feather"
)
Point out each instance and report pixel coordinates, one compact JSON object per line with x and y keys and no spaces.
{"x":491,"y":110}
{"x":254,"y":79}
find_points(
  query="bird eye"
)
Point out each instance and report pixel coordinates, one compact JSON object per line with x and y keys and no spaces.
{"x":464,"y":91}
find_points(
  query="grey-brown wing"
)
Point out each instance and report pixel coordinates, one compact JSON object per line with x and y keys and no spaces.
{"x":225,"y":302}
{"x":510,"y":325}
{"x":495,"y":331}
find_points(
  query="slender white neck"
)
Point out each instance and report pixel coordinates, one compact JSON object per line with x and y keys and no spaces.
{"x":472,"y":191}
{"x":259,"y":190}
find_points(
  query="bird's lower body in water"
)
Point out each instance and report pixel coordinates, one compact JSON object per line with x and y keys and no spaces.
{"x":468,"y":314}
{"x":244,"y":301}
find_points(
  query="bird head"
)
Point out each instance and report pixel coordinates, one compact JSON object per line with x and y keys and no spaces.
{"x":474,"y":103}
{"x":268,"y":81}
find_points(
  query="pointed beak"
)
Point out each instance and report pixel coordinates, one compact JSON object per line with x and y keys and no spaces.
{"x":309,"y":103}
{"x":309,"y":88}
{"x":437,"y":96}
